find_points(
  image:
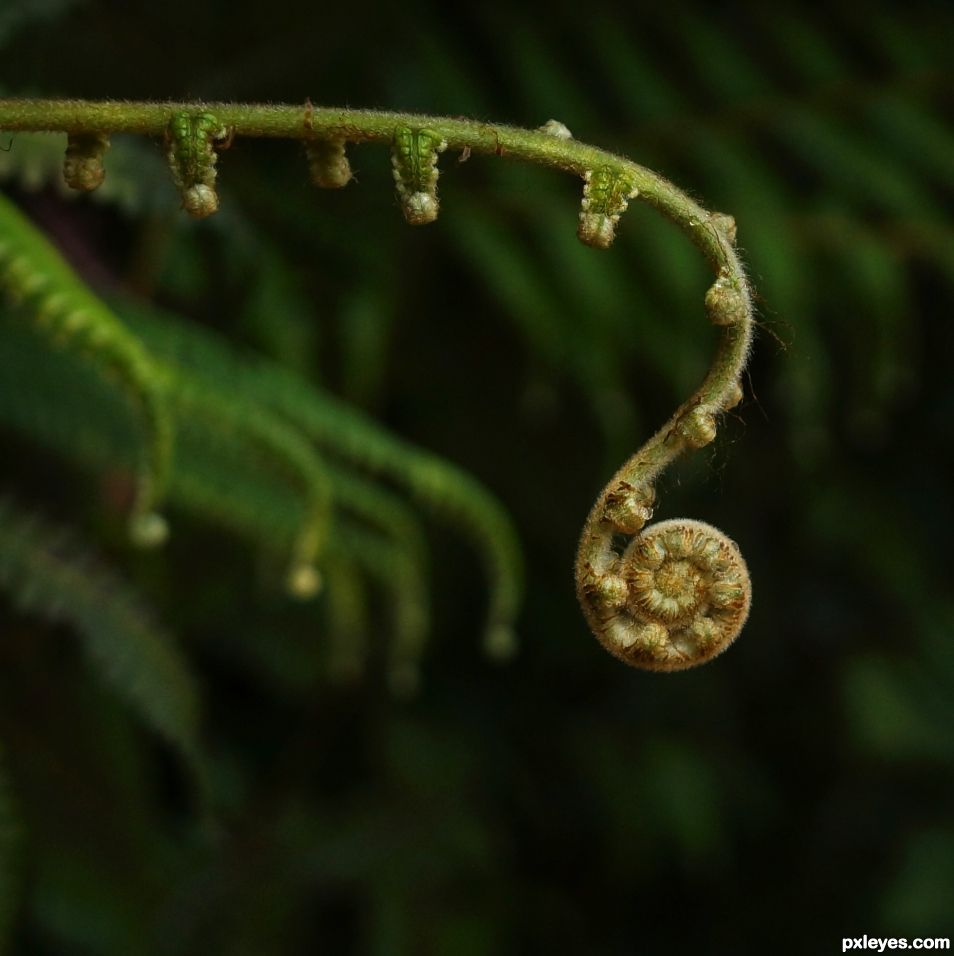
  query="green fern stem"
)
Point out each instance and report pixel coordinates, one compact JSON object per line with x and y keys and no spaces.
{"x":662,"y":599}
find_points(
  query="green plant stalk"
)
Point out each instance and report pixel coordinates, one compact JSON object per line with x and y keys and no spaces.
{"x":672,"y":611}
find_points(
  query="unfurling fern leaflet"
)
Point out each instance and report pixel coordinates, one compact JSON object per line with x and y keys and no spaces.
{"x":414,"y":162}
{"x":44,"y":289}
{"x":192,"y":144}
{"x":606,"y":195}
{"x":327,"y":163}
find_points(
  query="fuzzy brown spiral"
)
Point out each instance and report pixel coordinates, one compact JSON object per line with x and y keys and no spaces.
{"x":676,"y":597}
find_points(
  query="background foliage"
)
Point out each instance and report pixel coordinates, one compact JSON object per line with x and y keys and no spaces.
{"x":798,"y":789}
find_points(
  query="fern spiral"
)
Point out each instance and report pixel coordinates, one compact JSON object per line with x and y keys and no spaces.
{"x":664,"y":598}
{"x":672,"y":595}
{"x":677,"y":596}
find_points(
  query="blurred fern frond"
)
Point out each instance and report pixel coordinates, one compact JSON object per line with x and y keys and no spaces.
{"x":58,"y":304}
{"x":252,"y":457}
{"x":46,"y":572}
{"x":347,"y":436}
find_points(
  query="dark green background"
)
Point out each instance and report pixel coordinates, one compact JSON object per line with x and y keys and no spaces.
{"x":796,"y":791}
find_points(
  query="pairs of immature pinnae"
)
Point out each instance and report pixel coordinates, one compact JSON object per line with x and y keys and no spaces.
{"x":192,"y":144}
{"x":672,"y":595}
{"x":193,"y":141}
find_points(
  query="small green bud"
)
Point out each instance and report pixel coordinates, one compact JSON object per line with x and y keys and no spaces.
{"x":414,"y":161}
{"x":606,"y":195}
{"x":327,"y":163}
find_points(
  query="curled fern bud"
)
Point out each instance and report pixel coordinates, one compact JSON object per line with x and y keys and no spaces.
{"x":606,"y":195}
{"x":83,"y":162}
{"x":327,"y":163}
{"x":192,"y":140}
{"x":726,"y":303}
{"x":678,"y":596}
{"x":414,"y":160}
{"x":629,"y":507}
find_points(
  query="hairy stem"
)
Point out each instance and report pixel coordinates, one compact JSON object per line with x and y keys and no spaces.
{"x":613,"y":595}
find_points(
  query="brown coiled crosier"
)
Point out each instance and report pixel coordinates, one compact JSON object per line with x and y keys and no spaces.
{"x":663,"y":598}
{"x":672,"y":595}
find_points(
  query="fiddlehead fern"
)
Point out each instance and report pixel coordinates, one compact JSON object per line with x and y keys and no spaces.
{"x":690,"y":594}
{"x":677,"y":596}
{"x":677,"y":593}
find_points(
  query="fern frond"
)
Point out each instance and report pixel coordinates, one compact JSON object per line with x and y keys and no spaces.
{"x":386,"y":547}
{"x":224,"y":469}
{"x":346,"y":434}
{"x":347,"y":620}
{"x":284,"y":447}
{"x":215,"y":419}
{"x":389,"y":564}
{"x":59,"y":305}
{"x":379,"y":508}
{"x":47,"y":573}
{"x":244,"y":467}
